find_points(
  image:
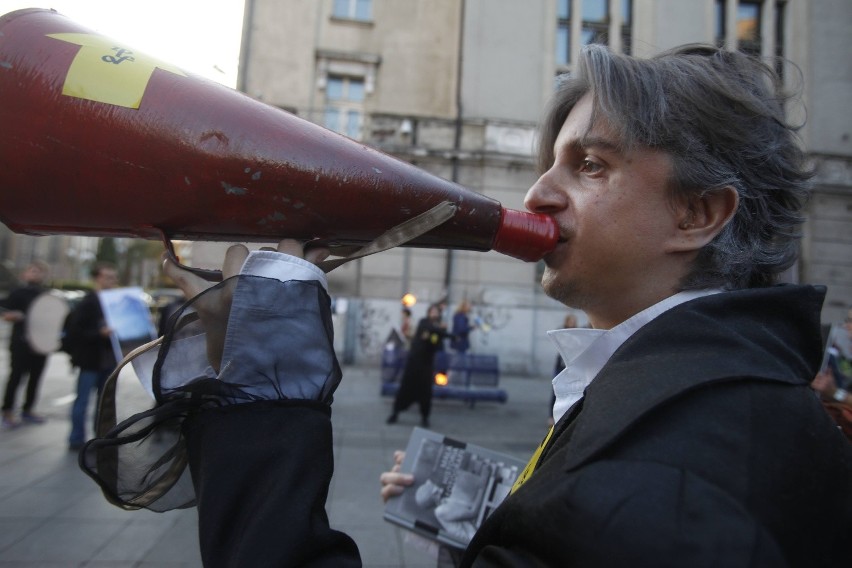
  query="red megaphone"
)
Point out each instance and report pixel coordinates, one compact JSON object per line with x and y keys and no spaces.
{"x":98,"y":139}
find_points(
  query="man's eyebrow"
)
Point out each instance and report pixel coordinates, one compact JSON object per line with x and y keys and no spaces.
{"x":591,"y":141}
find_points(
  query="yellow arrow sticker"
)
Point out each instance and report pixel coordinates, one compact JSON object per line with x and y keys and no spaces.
{"x":108,"y":72}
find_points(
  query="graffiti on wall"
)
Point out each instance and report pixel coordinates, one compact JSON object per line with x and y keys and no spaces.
{"x":488,"y":320}
{"x":374,"y":327}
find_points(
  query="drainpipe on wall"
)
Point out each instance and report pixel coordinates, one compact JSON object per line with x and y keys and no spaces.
{"x":245,"y":46}
{"x":313,"y":87}
{"x":457,"y":140}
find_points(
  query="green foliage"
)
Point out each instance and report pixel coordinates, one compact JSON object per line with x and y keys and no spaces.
{"x":107,"y":251}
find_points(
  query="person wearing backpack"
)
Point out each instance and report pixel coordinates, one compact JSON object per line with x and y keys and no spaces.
{"x":92,"y":351}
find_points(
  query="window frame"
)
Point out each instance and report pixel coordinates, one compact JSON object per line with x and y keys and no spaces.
{"x":615,"y":29}
{"x":350,"y":10}
{"x":344,"y":107}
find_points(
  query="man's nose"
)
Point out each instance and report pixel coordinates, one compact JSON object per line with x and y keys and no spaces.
{"x":545,"y":196}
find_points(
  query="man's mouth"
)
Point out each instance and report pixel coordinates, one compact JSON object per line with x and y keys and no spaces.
{"x":551,"y":257}
{"x":562,"y":240}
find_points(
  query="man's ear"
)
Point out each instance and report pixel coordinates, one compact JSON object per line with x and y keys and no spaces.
{"x":701,"y":217}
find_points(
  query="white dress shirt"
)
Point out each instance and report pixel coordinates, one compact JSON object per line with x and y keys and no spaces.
{"x":586,"y":351}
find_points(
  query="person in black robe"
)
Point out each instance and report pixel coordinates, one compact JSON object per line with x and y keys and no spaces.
{"x":418,"y":376}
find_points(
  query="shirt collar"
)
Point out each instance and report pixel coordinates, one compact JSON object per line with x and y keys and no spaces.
{"x":585,"y":351}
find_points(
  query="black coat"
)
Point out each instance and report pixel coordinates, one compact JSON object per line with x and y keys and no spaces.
{"x":19,"y":300}
{"x":698,"y":444}
{"x":94,"y":351}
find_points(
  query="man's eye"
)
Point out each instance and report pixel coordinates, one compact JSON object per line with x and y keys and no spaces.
{"x":589,"y":167}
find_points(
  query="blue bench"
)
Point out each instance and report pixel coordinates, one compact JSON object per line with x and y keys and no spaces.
{"x":470,"y":377}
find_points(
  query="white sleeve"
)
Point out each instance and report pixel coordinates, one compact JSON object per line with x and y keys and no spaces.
{"x":283,"y":267}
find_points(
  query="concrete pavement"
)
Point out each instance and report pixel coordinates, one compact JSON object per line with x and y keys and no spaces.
{"x":53,"y":515}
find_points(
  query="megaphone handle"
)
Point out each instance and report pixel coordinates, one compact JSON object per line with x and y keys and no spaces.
{"x":401,"y":234}
{"x":205,"y":273}
{"x":398,"y":235}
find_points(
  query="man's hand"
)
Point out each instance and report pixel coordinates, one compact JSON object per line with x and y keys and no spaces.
{"x":214,"y":315}
{"x":235,"y":257}
{"x":190,"y":284}
{"x":824,"y":383}
{"x":13,"y":316}
{"x":393,"y":482}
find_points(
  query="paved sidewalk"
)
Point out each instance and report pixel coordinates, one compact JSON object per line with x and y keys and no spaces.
{"x":53,"y":515}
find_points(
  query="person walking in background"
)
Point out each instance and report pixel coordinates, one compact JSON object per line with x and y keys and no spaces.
{"x":23,"y":360}
{"x":418,"y":375}
{"x":93,"y":352}
{"x":460,"y":340}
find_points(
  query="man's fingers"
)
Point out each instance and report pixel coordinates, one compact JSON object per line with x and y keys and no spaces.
{"x":190,"y":284}
{"x":316,"y":255}
{"x":394,"y":483}
{"x":389,"y":491}
{"x":291,"y":247}
{"x":396,"y":478}
{"x":235,"y":257}
{"x":398,"y":456}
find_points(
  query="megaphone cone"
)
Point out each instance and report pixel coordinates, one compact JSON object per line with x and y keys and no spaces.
{"x":99,"y":139}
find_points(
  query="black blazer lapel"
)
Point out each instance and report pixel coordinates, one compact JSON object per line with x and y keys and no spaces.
{"x":701,"y":342}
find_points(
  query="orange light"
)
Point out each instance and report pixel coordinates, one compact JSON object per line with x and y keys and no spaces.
{"x":441,"y":379}
{"x":409,"y":300}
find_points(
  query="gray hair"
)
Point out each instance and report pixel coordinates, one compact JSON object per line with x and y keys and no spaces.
{"x":720,"y":116}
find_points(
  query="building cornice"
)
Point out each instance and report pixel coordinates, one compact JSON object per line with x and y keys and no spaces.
{"x":832,"y":171}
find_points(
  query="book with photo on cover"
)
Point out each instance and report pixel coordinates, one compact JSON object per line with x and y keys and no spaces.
{"x":456,"y":486}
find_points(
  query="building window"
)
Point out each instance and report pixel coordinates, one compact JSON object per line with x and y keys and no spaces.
{"x":779,"y":38}
{"x":344,"y":105}
{"x":748,"y":27}
{"x":346,"y":79}
{"x":563,"y":33}
{"x":721,"y":30}
{"x":742,"y":26}
{"x":361,"y":10}
{"x":600,"y":21}
{"x":595,"y":22}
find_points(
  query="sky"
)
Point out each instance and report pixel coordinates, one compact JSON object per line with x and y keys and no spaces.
{"x":200,"y":36}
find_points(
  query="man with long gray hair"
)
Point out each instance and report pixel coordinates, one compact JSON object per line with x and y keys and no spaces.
{"x":686,"y":432}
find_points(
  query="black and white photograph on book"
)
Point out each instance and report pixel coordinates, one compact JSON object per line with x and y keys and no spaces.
{"x":457,"y":485}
